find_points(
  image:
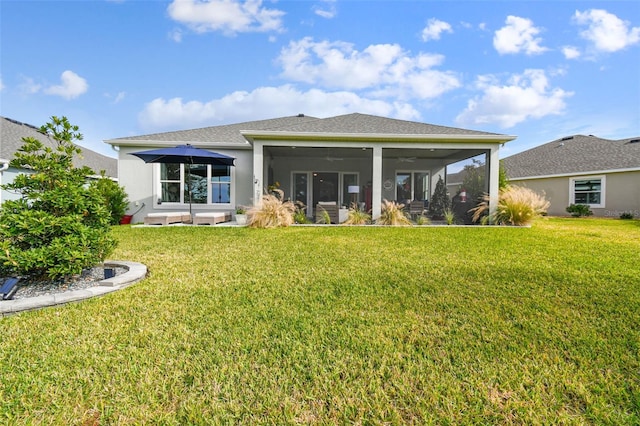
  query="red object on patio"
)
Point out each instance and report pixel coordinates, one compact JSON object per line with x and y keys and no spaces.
{"x":126,"y":219}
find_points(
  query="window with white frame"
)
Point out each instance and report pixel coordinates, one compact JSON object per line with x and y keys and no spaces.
{"x":588,"y":190}
{"x":210,"y":184}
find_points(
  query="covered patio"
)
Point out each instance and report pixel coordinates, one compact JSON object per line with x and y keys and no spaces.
{"x":365,"y":168}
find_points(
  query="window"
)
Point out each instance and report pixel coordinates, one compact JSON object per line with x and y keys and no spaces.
{"x":170,"y":183}
{"x":588,"y":190}
{"x":210,"y":184}
{"x":350,"y":180}
{"x":412,"y":186}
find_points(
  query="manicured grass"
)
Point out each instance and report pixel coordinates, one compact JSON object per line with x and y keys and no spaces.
{"x":335,"y":325}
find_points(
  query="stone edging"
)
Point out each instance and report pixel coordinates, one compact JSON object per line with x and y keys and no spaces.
{"x":135,"y":272}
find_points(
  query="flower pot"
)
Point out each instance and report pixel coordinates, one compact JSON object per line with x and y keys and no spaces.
{"x":241,"y":219}
{"x":126,"y":219}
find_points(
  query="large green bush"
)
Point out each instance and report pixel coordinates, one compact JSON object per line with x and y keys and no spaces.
{"x":60,"y":225}
{"x":114,"y":197}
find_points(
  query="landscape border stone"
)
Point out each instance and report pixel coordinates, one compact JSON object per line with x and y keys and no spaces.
{"x":135,"y":272}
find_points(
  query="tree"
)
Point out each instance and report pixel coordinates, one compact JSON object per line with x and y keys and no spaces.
{"x":474,"y":181}
{"x":60,"y":225}
{"x":440,"y":200}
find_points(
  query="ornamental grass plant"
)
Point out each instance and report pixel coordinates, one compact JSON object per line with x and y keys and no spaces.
{"x":516,"y":205}
{"x":273,"y":212}
{"x":357,"y":216}
{"x":393,"y":214}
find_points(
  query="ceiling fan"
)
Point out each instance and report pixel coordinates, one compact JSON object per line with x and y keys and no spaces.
{"x":330,"y":158}
{"x":406,"y":159}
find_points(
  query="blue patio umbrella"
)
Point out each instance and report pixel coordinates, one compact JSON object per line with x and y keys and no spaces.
{"x":185,"y":154}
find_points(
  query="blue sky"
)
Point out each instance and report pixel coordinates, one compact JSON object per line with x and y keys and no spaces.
{"x":537,"y":69}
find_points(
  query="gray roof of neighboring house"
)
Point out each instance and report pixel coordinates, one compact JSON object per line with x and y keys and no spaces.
{"x":350,"y":123}
{"x":575,"y":155}
{"x":12,"y":132}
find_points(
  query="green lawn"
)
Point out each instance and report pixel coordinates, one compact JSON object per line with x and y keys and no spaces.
{"x":335,"y":325}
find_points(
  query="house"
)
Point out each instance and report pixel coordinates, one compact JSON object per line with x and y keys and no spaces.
{"x":11,"y":134}
{"x":602,"y":173}
{"x":343,"y":159}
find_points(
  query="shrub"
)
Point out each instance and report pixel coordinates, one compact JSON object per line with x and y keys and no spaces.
{"x":273,"y":212}
{"x":60,"y":225}
{"x":516,"y":206}
{"x":300,"y":216}
{"x":579,"y":210}
{"x":114,"y":197}
{"x":449,"y":217}
{"x":357,"y":216}
{"x":440,"y":200}
{"x":423,"y":220}
{"x":393,"y":214}
{"x":626,"y":215}
{"x":324,"y":218}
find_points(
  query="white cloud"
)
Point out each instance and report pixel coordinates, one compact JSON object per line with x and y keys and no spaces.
{"x":607,"y":32}
{"x":525,"y":96}
{"x":228,"y":16}
{"x":326,"y":9}
{"x":382,"y":69}
{"x":176,"y":35}
{"x":72,"y":86}
{"x":519,"y":35}
{"x":571,"y":52}
{"x":434,"y":28}
{"x":29,"y":86}
{"x":117,"y":98}
{"x":265,"y":102}
{"x":1,"y":84}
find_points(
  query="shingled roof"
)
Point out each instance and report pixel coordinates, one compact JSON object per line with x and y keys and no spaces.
{"x":224,"y":134}
{"x":12,"y":132}
{"x":343,"y":124}
{"x":575,"y":155}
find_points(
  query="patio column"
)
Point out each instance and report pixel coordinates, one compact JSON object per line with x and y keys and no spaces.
{"x":258,"y":172}
{"x":376,"y":183}
{"x":494,"y":164}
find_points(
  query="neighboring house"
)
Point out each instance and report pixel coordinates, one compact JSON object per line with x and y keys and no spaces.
{"x":11,"y":134}
{"x":602,"y":173}
{"x":312,"y":159}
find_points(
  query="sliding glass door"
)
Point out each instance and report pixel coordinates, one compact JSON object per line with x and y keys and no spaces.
{"x":412,"y":186}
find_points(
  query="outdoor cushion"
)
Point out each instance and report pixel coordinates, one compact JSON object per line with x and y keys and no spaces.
{"x":166,"y":218}
{"x":211,"y":218}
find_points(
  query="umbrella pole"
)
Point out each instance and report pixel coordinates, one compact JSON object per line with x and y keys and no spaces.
{"x":189,"y":189}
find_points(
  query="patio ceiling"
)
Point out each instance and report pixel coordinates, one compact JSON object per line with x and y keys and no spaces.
{"x":447,"y":155}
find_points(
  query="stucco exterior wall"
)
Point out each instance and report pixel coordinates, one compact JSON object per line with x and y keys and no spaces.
{"x":622,"y":193}
{"x":138,"y":180}
{"x":6,"y":177}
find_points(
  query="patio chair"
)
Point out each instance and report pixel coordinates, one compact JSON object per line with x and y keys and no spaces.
{"x":332,"y":209}
{"x":9,"y":288}
{"x":416,"y":208}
